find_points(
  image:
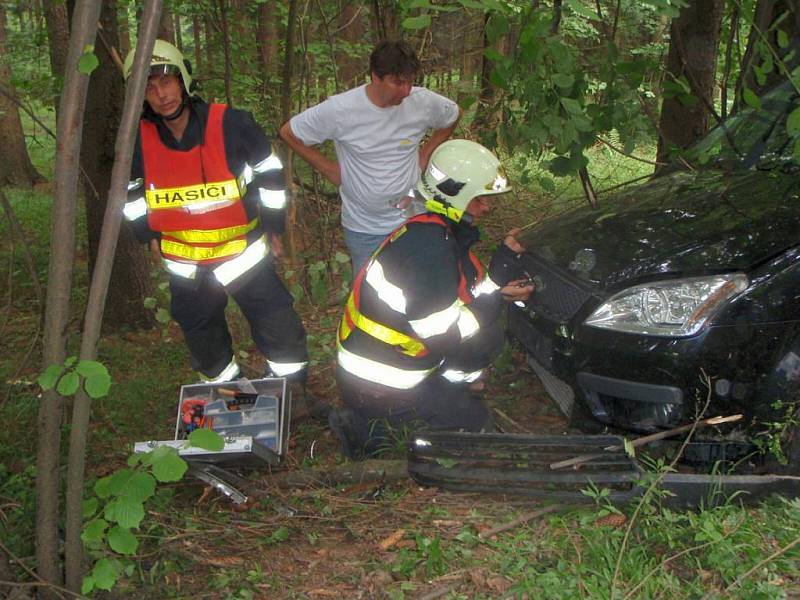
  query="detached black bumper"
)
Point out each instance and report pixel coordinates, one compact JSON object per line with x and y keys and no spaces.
{"x":520,"y":465}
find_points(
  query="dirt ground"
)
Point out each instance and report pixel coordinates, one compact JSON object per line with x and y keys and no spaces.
{"x":357,"y":539}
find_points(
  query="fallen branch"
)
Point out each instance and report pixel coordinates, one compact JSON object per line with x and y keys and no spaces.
{"x":377,"y":471}
{"x":578,"y":460}
{"x":520,"y":520}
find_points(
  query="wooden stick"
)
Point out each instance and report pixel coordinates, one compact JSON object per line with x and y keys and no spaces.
{"x":523,"y":518}
{"x":577,"y":460}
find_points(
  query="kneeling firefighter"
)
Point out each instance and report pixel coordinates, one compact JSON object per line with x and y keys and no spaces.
{"x":424,"y":319}
{"x":207,"y":194}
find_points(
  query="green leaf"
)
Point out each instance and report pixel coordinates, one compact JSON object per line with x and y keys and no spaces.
{"x":69,"y":384}
{"x":783,"y":39}
{"x":94,"y":530}
{"x":630,"y":449}
{"x":114,"y":484}
{"x":71,"y":360}
{"x":139,"y":487}
{"x":793,"y":122}
{"x":560,"y":166}
{"x":90,"y":506}
{"x":420,"y":22}
{"x":751,"y":99}
{"x":571,"y":105}
{"x":447,"y":463}
{"x":579,"y":9}
{"x":126,"y":511}
{"x":170,"y":468}
{"x":87,"y":63}
{"x":87,"y":585}
{"x":91,"y":368}
{"x":280,"y":535}
{"x":797,"y":150}
{"x":163,"y":316}
{"x":150,"y":303}
{"x":104,"y":574}
{"x":207,"y":440}
{"x":97,"y":386}
{"x":419,"y":4}
{"x":341,"y":257}
{"x":563,"y":80}
{"x":122,"y":541}
{"x":49,"y":377}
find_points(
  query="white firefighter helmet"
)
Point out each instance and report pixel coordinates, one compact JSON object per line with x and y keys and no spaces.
{"x":166,"y":60}
{"x":458,"y":171}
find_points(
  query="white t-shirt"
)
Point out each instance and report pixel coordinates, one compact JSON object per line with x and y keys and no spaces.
{"x":377,"y":149}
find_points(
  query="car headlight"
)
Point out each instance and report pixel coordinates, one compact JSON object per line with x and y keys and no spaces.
{"x":678,"y":307}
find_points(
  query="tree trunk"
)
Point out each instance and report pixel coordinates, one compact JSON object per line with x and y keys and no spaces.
{"x":59,"y":284}
{"x":98,"y":290}
{"x":166,"y":31}
{"x":124,"y":34}
{"x":486,"y":115}
{"x":385,"y":21}
{"x":130,"y":277}
{"x":15,"y":164}
{"x":267,"y":43}
{"x":198,"y":49}
{"x":351,"y":31}
{"x":55,"y":15}
{"x":222,"y":17}
{"x":178,"y":32}
{"x":694,"y":41}
{"x":294,"y":241}
{"x":765,"y":28}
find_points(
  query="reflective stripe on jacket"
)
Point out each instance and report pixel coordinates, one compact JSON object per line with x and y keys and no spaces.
{"x":194,"y":201}
{"x":396,"y":353}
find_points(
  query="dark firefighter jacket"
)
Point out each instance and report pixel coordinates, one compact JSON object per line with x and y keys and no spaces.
{"x":420,"y":296}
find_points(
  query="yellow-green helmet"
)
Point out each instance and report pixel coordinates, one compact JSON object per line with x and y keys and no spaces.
{"x":167,"y":59}
{"x":458,"y":171}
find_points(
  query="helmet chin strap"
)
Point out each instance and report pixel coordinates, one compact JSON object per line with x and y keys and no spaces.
{"x":178,"y":111}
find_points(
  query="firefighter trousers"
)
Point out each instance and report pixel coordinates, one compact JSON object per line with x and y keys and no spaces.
{"x":199,"y":309}
{"x":376,"y":416}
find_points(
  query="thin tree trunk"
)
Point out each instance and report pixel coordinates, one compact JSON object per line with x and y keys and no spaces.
{"x":166,"y":31}
{"x":131,"y":274}
{"x":222,"y":7}
{"x":726,"y":69}
{"x":286,"y":110}
{"x":694,"y":41}
{"x":266,"y":40}
{"x":178,"y":32}
{"x":350,"y":28}
{"x":124,"y":34}
{"x":57,"y":20}
{"x":99,"y":288}
{"x":15,"y":164}
{"x":197,"y":47}
{"x":59,"y":284}
{"x":486,"y":114}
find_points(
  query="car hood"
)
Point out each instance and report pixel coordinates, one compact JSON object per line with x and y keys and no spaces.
{"x":681,"y":224}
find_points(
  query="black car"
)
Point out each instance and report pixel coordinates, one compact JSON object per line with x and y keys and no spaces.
{"x":696,"y":271}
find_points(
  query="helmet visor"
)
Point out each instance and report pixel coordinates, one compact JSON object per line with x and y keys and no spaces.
{"x":164,"y":69}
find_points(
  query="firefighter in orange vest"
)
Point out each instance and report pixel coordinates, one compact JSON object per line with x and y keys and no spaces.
{"x":424,"y":319}
{"x":207,"y":194}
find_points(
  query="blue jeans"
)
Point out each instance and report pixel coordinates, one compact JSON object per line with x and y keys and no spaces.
{"x":361,"y":246}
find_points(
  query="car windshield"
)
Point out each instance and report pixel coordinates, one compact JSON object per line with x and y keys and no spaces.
{"x":753,"y":135}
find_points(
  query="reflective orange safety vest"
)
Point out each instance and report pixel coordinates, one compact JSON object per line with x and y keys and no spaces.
{"x":407,"y":344}
{"x":192,"y":197}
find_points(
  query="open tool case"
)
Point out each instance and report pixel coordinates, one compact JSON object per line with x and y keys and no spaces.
{"x":252,"y":416}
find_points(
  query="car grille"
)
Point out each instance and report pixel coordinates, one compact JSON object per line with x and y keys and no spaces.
{"x":558,"y":295}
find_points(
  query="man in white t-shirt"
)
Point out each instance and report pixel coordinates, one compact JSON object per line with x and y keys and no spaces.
{"x":377,"y":131}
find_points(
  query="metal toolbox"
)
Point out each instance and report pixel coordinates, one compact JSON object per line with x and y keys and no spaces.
{"x":252,"y":415}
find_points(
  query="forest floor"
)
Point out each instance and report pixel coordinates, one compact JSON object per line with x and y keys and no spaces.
{"x":376,"y":538}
